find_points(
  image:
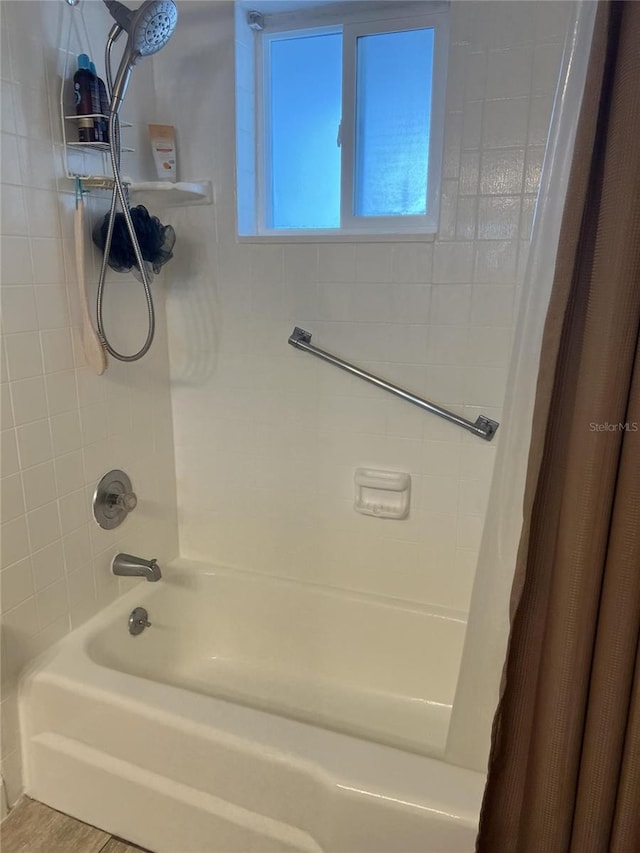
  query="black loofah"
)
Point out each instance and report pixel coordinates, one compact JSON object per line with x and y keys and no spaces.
{"x":156,"y":240}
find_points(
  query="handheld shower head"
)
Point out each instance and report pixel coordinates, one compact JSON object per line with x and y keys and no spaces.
{"x":153,"y":25}
{"x":148,"y":29}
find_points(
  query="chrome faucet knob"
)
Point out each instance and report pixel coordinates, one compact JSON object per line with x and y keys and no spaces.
{"x":127,"y":501}
{"x":114,"y":499}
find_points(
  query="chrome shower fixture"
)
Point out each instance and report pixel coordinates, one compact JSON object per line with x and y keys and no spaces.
{"x":148,"y":28}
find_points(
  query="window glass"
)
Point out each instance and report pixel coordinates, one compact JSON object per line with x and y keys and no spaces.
{"x":394,"y":74}
{"x":306,"y":95}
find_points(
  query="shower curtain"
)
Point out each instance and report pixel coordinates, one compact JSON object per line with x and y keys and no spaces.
{"x":564,"y":770}
{"x":487,"y":633}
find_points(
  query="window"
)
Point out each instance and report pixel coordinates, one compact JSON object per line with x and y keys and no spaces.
{"x":341,"y":131}
{"x":302,"y":92}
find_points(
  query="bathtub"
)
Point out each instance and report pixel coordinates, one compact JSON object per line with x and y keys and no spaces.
{"x":255,"y":714}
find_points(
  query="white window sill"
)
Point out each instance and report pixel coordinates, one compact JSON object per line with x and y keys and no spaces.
{"x":337,"y":238}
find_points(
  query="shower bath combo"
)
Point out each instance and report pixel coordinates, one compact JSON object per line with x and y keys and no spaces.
{"x":333,"y":719}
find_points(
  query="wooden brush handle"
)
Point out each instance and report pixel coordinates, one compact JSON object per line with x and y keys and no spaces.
{"x":93,"y":349}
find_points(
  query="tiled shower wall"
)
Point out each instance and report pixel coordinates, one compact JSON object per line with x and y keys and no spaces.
{"x":63,"y":427}
{"x":267,"y":438}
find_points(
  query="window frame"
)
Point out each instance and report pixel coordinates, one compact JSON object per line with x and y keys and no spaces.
{"x":351,"y":29}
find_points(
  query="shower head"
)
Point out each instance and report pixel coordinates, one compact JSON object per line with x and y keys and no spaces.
{"x":148,"y":29}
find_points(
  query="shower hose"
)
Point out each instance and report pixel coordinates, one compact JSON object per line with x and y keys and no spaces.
{"x":120,"y":194}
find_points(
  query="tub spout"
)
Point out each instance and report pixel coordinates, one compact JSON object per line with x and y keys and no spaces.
{"x":126,"y":565}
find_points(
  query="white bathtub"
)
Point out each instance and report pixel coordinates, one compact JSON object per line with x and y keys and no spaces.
{"x":254,"y":715}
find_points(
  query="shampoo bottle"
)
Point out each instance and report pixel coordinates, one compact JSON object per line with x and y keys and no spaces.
{"x":102,"y":124}
{"x":85,"y":94}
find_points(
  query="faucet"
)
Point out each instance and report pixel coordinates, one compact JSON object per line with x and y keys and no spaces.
{"x":126,"y":565}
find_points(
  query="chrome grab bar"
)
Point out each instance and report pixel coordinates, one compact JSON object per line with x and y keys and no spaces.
{"x":483,"y":427}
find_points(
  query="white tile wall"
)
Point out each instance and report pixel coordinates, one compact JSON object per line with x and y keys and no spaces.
{"x":267,"y":438}
{"x":63,"y":427}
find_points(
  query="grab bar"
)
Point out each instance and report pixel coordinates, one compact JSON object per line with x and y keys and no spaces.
{"x":483,"y":427}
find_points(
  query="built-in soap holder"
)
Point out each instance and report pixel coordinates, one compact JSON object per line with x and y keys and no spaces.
{"x":384,"y":494}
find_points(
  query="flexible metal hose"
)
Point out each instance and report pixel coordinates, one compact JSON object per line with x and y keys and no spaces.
{"x":120,"y":194}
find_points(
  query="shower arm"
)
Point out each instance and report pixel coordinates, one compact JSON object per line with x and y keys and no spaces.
{"x":483,"y":426}
{"x":114,"y":34}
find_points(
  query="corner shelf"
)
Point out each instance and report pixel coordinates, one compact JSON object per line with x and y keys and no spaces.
{"x":180,"y":194}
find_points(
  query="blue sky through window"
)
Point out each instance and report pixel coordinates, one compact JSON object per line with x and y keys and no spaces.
{"x":393,"y":106}
{"x":306,"y":104}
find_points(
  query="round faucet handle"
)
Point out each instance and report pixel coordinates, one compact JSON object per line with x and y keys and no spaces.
{"x":113,"y":499}
{"x":127,"y":501}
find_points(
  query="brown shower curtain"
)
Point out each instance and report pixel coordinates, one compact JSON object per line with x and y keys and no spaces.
{"x":564,"y":771}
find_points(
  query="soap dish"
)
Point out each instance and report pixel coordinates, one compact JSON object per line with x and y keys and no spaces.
{"x":384,"y":494}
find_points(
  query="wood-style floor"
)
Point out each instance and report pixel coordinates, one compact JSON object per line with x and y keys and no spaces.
{"x":32,"y":827}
